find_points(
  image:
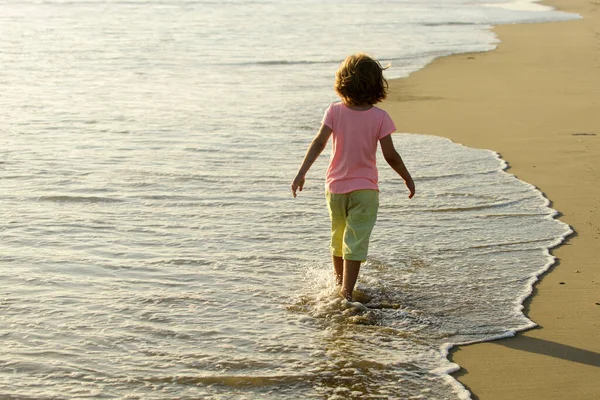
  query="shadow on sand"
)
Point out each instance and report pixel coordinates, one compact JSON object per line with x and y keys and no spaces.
{"x":552,"y":349}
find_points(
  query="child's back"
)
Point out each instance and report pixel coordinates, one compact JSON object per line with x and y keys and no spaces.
{"x":355,"y":137}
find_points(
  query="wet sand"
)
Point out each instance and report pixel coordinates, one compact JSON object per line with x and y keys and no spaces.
{"x":536,"y":101}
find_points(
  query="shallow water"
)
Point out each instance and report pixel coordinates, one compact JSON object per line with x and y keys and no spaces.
{"x":150,"y":245}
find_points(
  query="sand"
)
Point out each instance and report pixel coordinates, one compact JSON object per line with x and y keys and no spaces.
{"x":536,"y":101}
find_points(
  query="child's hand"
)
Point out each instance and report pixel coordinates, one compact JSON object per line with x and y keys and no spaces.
{"x":297,"y":184}
{"x":410,"y":184}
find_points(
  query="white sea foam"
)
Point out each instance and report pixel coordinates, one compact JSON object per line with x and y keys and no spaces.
{"x":522,"y":5}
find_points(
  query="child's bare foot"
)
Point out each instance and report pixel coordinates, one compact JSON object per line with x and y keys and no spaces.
{"x":351,"y":269}
{"x":347,"y":296}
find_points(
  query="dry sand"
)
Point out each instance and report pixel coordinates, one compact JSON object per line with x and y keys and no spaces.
{"x":536,"y":101}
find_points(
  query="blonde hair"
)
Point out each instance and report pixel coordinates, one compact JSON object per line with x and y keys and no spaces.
{"x":359,"y":80}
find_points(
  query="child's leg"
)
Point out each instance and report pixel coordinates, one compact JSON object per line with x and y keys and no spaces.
{"x":336,"y":204}
{"x":338,"y":269}
{"x":351,"y":269}
{"x":362,"y":214}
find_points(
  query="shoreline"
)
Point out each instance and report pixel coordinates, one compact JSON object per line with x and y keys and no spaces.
{"x":535,"y":101}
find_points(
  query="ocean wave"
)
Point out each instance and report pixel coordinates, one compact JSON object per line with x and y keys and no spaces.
{"x":451,"y":23}
{"x":79,"y":199}
{"x":406,"y":56}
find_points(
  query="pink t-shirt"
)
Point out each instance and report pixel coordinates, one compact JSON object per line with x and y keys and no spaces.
{"x":355,"y":136}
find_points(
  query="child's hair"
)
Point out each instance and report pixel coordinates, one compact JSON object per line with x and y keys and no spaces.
{"x":359,"y":80}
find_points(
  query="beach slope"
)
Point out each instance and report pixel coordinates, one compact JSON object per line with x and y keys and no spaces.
{"x":536,"y":101}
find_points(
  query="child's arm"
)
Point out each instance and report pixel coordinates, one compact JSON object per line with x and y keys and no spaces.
{"x":395,"y":161}
{"x":314,"y":150}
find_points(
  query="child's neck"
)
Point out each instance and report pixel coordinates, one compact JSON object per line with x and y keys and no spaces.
{"x":359,"y":107}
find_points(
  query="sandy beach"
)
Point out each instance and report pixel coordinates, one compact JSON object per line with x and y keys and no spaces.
{"x":536,"y":101}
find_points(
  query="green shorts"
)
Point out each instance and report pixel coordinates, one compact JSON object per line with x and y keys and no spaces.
{"x":353,"y":217}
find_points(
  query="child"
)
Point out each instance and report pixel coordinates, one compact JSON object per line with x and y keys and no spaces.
{"x":351,"y":180}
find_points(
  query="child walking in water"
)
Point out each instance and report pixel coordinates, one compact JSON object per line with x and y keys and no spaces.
{"x":351,"y":180}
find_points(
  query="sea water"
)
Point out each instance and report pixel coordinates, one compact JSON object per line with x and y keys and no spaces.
{"x":150,"y":246}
